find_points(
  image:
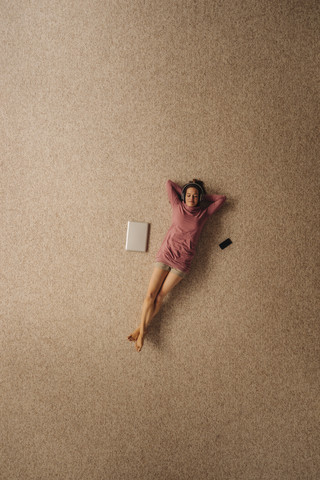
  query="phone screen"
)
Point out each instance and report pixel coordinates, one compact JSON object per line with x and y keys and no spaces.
{"x":225,"y":243}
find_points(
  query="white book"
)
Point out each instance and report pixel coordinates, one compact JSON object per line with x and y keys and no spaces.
{"x":137,"y":236}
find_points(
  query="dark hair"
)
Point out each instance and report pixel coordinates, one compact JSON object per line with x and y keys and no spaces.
{"x":199,"y":182}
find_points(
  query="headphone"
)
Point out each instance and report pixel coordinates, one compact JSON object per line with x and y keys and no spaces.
{"x":191,"y":184}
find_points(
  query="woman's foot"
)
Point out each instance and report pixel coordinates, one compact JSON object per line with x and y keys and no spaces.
{"x":139,"y":343}
{"x":134,"y":336}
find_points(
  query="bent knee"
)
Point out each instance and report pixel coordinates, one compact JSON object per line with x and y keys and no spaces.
{"x":151,"y":296}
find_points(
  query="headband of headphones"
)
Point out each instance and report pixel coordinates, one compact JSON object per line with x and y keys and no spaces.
{"x":195,"y":185}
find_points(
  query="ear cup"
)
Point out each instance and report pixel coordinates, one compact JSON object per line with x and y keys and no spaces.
{"x":185,"y":188}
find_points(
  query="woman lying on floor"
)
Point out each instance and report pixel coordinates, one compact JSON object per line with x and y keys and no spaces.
{"x":173,"y":260}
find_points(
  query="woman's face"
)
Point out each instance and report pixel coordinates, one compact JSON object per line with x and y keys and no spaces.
{"x":192,"y":197}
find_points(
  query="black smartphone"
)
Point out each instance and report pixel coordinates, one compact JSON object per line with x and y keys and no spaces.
{"x":225,"y":243}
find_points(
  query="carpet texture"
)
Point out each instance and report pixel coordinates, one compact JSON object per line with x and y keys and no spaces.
{"x":102,"y":102}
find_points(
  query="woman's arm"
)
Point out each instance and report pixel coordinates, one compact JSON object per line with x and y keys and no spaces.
{"x":217,"y":202}
{"x":174,"y":192}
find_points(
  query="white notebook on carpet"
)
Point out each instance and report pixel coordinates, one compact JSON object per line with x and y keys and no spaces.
{"x":137,"y":236}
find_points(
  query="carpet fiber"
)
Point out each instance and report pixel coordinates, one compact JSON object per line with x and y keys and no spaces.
{"x":102,"y":102}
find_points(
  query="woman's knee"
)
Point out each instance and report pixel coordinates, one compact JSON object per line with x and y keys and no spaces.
{"x":156,"y":282}
{"x":160,"y":297}
{"x":151,"y":296}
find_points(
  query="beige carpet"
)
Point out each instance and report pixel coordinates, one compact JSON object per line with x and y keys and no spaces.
{"x":101,"y":103}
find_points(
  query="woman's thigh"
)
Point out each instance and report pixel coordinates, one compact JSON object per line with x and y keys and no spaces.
{"x":170,"y":282}
{"x":156,"y":281}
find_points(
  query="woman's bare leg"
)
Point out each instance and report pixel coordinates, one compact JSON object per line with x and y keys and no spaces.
{"x":170,"y":282}
{"x":157,"y":305}
{"x":156,"y":281}
{"x":166,"y":287}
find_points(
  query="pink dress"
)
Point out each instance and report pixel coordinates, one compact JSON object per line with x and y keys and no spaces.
{"x":179,"y":245}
